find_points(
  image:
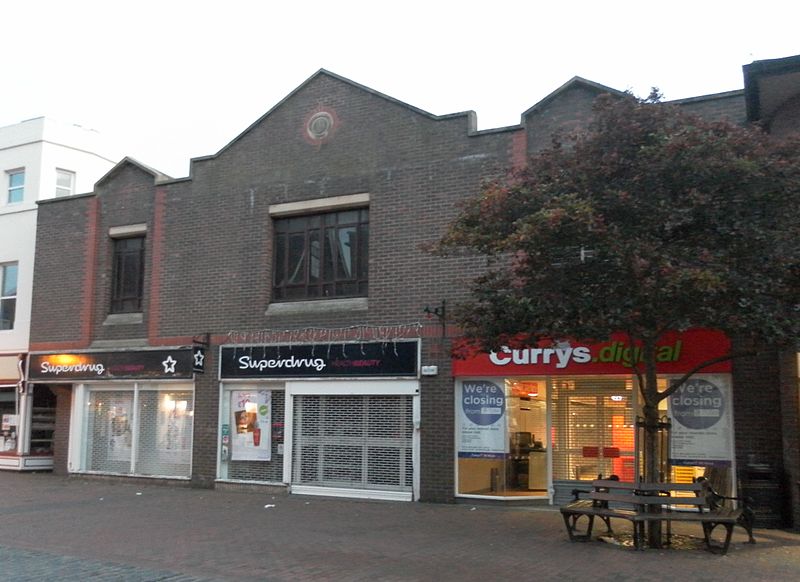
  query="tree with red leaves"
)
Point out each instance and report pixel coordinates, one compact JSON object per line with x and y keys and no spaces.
{"x":651,"y":220}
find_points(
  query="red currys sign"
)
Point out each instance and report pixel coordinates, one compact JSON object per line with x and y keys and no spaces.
{"x":676,"y":353}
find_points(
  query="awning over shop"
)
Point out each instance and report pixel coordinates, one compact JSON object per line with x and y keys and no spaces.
{"x":9,"y":370}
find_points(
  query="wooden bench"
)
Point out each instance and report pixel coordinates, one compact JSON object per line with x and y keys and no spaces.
{"x":641,"y":503}
{"x":699,"y":503}
{"x":598,"y":502}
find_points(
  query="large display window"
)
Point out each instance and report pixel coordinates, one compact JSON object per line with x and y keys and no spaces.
{"x":536,"y":436}
{"x":502,"y":437}
{"x":137,"y":429}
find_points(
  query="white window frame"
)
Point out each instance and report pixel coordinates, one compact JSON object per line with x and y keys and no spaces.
{"x":76,"y":456}
{"x":65,"y":190}
{"x":13,"y":190}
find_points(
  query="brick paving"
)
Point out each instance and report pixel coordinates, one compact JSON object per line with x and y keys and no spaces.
{"x":26,"y":565}
{"x":57,"y":528}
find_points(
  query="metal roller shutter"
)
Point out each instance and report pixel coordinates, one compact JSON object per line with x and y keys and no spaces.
{"x":593,"y":427}
{"x":353,"y":442}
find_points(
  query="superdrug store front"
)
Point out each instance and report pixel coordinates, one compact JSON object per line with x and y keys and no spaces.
{"x":335,"y":419}
{"x":125,"y":412}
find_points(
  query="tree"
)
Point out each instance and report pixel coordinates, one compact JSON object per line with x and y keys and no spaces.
{"x":651,"y":220}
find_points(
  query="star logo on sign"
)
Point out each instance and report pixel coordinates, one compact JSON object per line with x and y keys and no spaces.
{"x":169,"y":365}
{"x":199,"y":358}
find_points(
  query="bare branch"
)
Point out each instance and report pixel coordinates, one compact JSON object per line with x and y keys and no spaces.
{"x":683,"y":379}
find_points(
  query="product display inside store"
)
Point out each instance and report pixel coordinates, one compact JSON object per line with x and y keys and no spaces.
{"x":8,"y":413}
{"x":507,"y":456}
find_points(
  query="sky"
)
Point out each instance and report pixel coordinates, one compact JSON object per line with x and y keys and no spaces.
{"x":170,"y":80}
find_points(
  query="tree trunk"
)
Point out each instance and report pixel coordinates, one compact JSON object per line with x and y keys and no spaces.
{"x":652,"y":468}
{"x":652,"y":452}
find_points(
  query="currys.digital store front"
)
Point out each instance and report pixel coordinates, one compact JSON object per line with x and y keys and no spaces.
{"x":534,"y":422}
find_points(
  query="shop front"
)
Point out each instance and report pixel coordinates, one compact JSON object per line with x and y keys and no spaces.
{"x":28,"y":419}
{"x":131,"y":412}
{"x":335,"y":419}
{"x":534,"y":422}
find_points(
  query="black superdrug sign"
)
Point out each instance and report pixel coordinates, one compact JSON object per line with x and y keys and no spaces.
{"x":338,"y":360}
{"x":126,"y":365}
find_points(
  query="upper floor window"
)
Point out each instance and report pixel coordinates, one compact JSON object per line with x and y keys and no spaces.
{"x":16,"y":186}
{"x":128,"y":276}
{"x":321,"y":255}
{"x":65,"y":183}
{"x":8,"y":294}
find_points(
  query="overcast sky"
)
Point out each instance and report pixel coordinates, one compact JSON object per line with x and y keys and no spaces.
{"x":174,"y":79}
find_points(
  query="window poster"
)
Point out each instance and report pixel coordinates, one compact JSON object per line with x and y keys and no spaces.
{"x":9,"y":420}
{"x":174,"y":424}
{"x":119,"y":433}
{"x":251,"y":419}
{"x":701,"y":416}
{"x":482,"y":420}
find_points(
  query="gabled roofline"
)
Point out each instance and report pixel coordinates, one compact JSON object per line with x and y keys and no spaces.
{"x":325,"y":72}
{"x":127,"y":160}
{"x":573,"y":82}
{"x":471,"y":116}
{"x":758,"y":69}
{"x":709,"y":97}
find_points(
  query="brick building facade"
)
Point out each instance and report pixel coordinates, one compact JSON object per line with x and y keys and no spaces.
{"x":331,"y":149}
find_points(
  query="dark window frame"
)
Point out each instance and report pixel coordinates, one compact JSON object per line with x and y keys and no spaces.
{"x":8,"y":295}
{"x":323,"y":255}
{"x":127,"y":279}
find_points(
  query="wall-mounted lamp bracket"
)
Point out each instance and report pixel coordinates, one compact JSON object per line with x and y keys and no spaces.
{"x":439,"y":311}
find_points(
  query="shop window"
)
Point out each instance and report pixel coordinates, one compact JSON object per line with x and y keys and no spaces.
{"x":16,"y":186}
{"x":502,"y":439}
{"x":139,"y":431}
{"x":164,"y":433}
{"x":8,"y":294}
{"x":718,"y":471}
{"x":593,"y":428}
{"x":43,"y":420}
{"x":128,"y":275}
{"x":321,"y":255}
{"x":8,"y":405}
{"x":236,"y":466}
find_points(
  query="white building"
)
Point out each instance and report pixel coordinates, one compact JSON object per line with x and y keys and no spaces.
{"x":39,"y":159}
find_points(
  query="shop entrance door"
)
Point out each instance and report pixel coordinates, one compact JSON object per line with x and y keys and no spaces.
{"x":353,"y":444}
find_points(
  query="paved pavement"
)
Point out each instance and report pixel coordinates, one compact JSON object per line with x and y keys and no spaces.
{"x":64,"y":529}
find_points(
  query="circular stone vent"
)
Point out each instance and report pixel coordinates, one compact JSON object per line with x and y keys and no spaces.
{"x":320,"y":125}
